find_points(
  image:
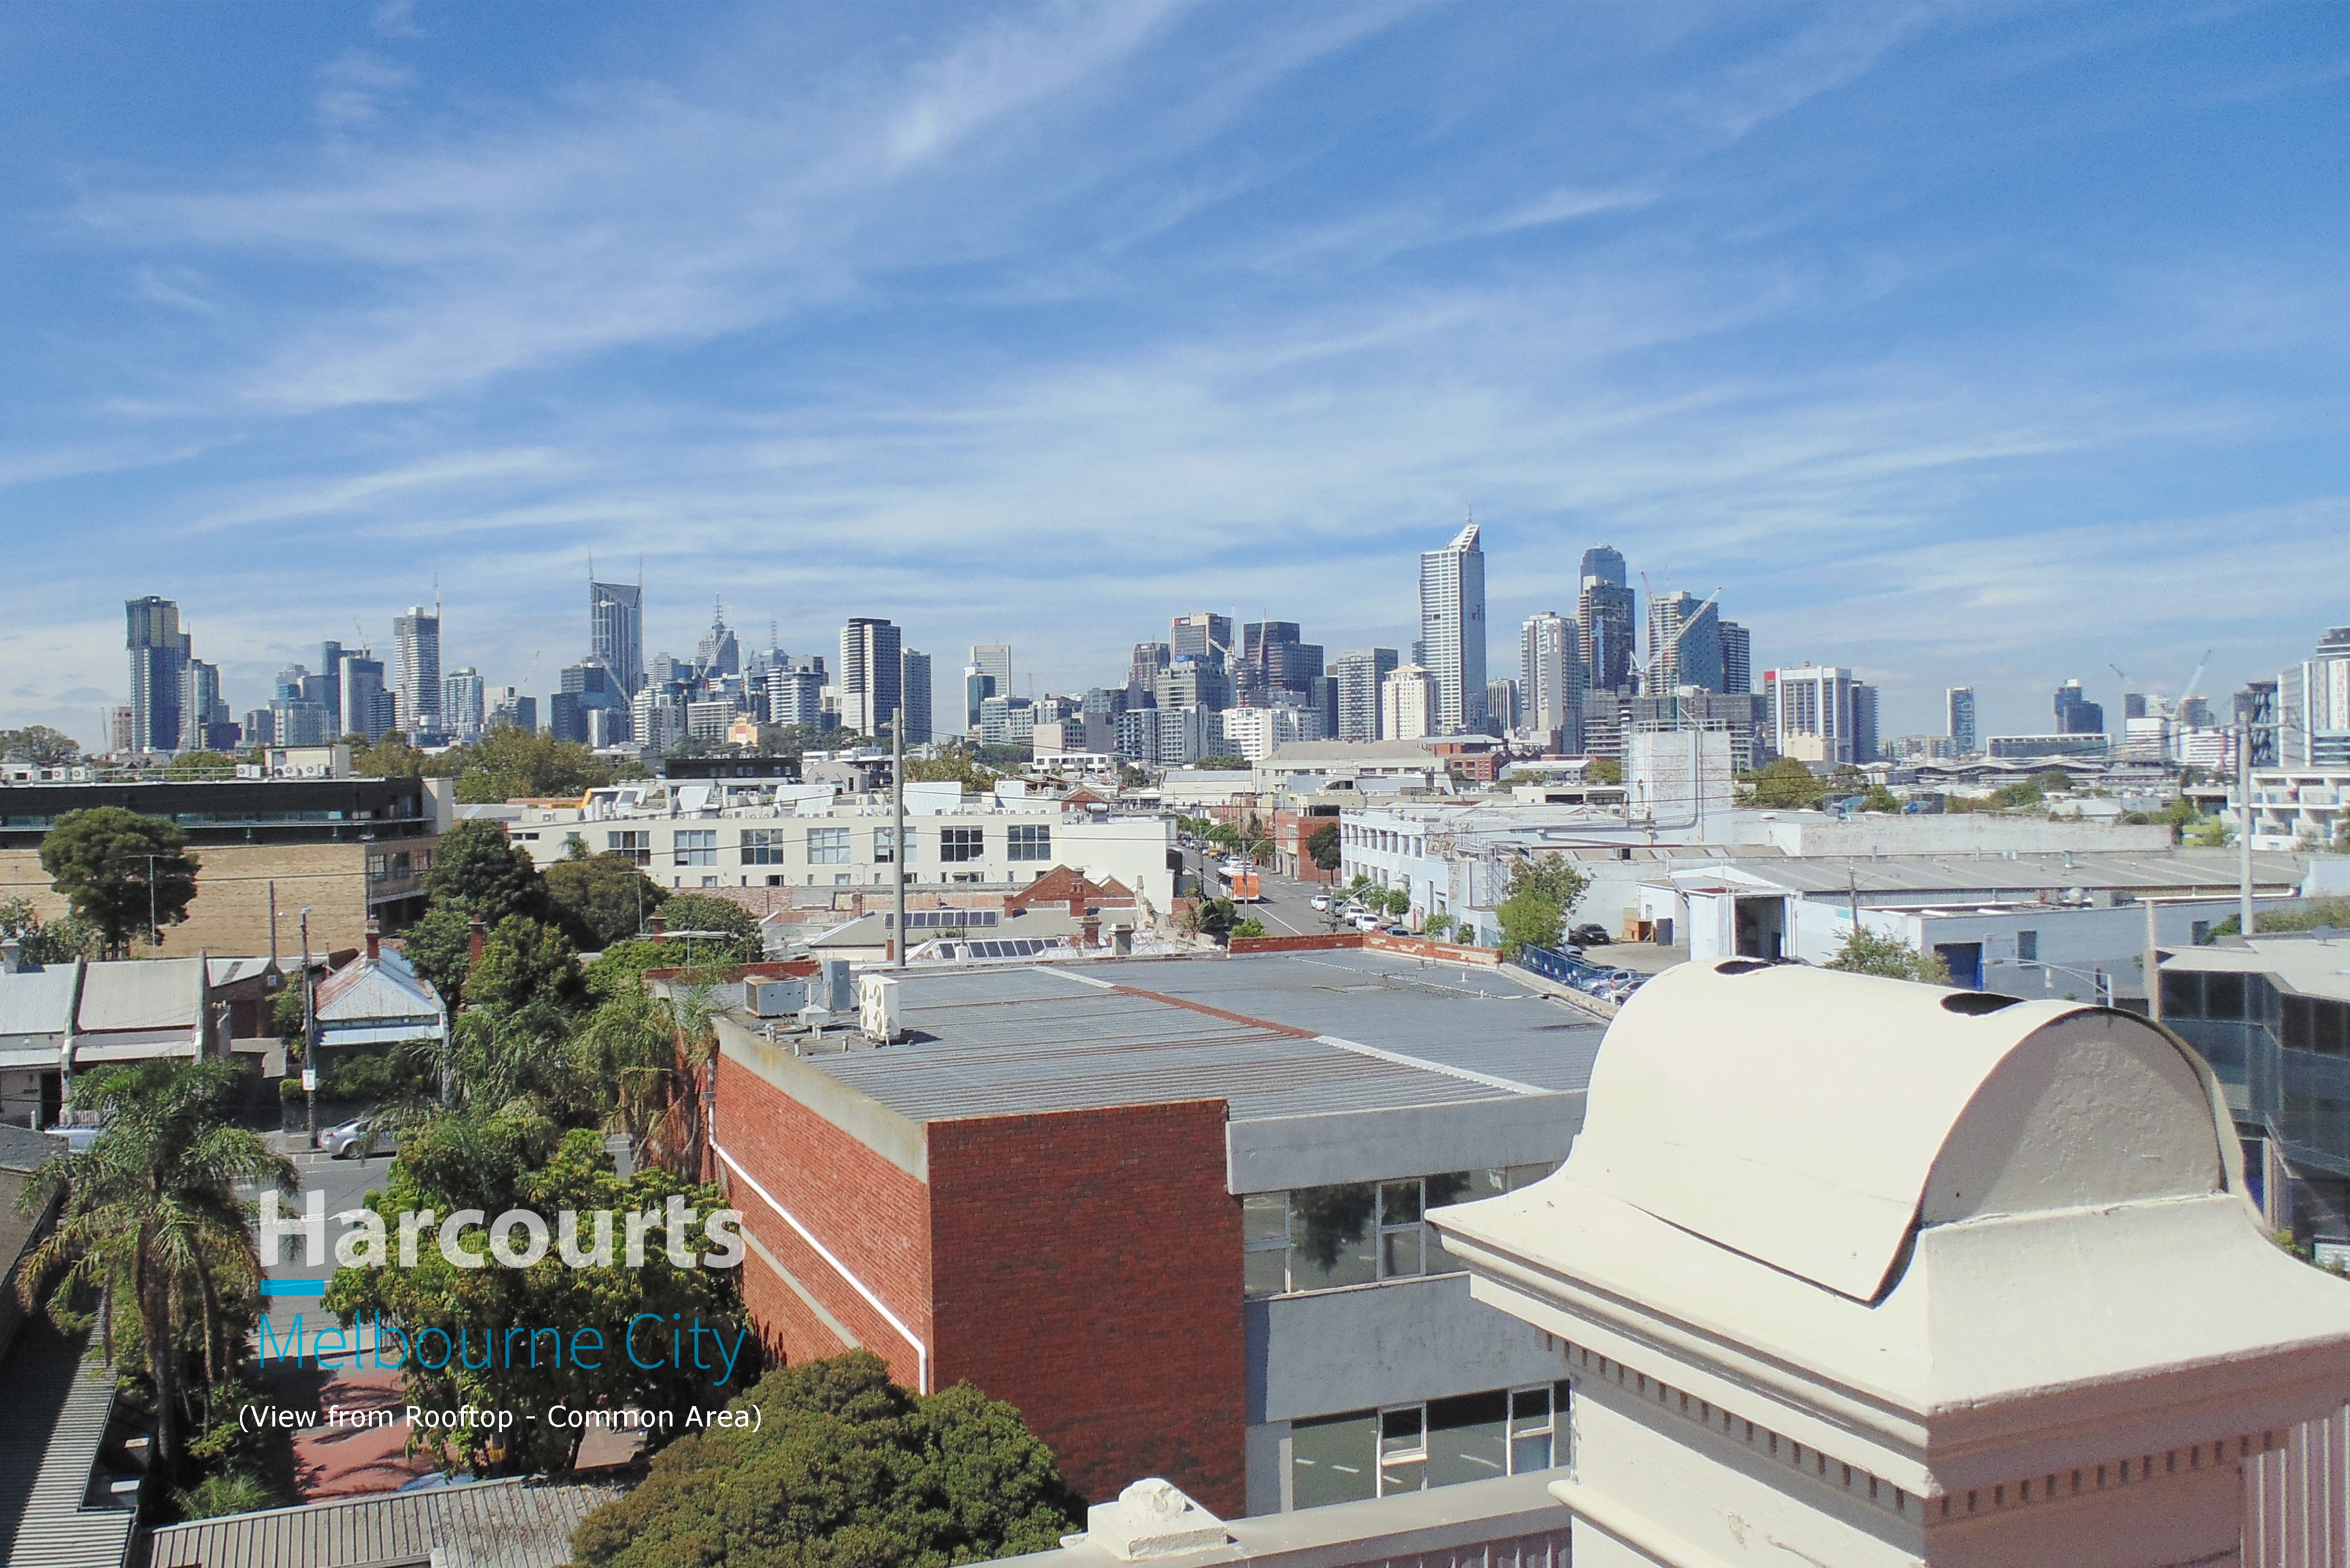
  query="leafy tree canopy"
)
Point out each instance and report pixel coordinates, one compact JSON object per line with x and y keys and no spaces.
{"x":1880,"y":799}
{"x":1603,"y":770}
{"x":2332,"y":913}
{"x":602,"y":898}
{"x":1868,"y":952}
{"x":202,"y":765}
{"x":526,"y":961}
{"x":49,"y":941}
{"x":701,"y":912}
{"x":1323,"y":845}
{"x":513,"y":763}
{"x":1787,"y":785}
{"x":477,"y":870}
{"x":439,"y":946}
{"x":955,"y":762}
{"x":847,"y":1471}
{"x":1529,"y":920}
{"x":1224,"y":761}
{"x":114,"y":866}
{"x":39,"y":743}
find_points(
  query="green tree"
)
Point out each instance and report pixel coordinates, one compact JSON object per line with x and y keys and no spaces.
{"x":955,"y":762}
{"x":439,"y":946}
{"x":847,"y":1469}
{"x":1787,"y":785}
{"x":2332,"y":913}
{"x":49,"y":941}
{"x":1868,"y":952}
{"x":2022,"y":793}
{"x":39,"y":744}
{"x":603,"y":899}
{"x":513,"y":763}
{"x":701,"y":912}
{"x":475,"y":869}
{"x":506,"y":1162}
{"x":153,"y":1224}
{"x":1209,"y":916}
{"x":1846,"y":779}
{"x":202,"y":765}
{"x":1437,"y":927}
{"x":1224,"y":761}
{"x":526,"y":961}
{"x":1880,"y":799}
{"x":1603,"y":771}
{"x":1322,"y":845}
{"x":1249,"y":926}
{"x":1529,"y":920}
{"x":1131,"y":776}
{"x":390,"y":757}
{"x":118,"y":869}
{"x":2053,"y":781}
{"x":1551,"y":877}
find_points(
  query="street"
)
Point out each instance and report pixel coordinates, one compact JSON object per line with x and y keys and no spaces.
{"x":1285,"y":910}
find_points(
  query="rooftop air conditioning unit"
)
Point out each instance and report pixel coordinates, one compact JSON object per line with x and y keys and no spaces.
{"x":779,"y":998}
{"x":876,"y":1010}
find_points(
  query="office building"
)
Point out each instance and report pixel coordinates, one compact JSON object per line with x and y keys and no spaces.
{"x":2075,"y":714}
{"x":2255,"y":710}
{"x":992,"y":659}
{"x":1551,"y":683}
{"x":511,"y":707}
{"x":365,"y":704}
{"x":616,"y":631}
{"x":1737,"y":659}
{"x":657,"y":719}
{"x":1408,"y":704}
{"x":1959,"y":720}
{"x":720,"y":652}
{"x":1684,"y":645}
{"x":1810,"y":712}
{"x":1190,"y":682}
{"x":117,"y":722}
{"x":259,"y":728}
{"x":1359,"y":674}
{"x":204,"y":723}
{"x":158,"y":661}
{"x":300,"y":722}
{"x":1204,"y":636}
{"x":590,"y":710}
{"x":416,"y":637}
{"x":331,"y":684}
{"x":1502,"y":708}
{"x":1453,"y":633}
{"x":914,"y":681}
{"x":1007,"y":721}
{"x":1142,"y":673}
{"x":2313,"y":706}
{"x":1864,"y":723}
{"x":1257,"y":733}
{"x":871,"y":674}
{"x":1604,"y":612}
{"x":464,"y":703}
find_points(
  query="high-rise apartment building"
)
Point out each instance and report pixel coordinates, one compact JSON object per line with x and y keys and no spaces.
{"x":509,"y":706}
{"x":1604,"y":612}
{"x":1452,"y":632}
{"x":1142,"y":673}
{"x":870,"y":674}
{"x":2313,"y":705}
{"x":2075,"y":714}
{"x":330,"y":684}
{"x":616,"y":631}
{"x":1811,"y":712}
{"x":464,"y":703}
{"x":657,"y":719}
{"x":1203,"y":635}
{"x":1959,"y":720}
{"x":591,"y":709}
{"x":2255,"y":708}
{"x":794,"y":694}
{"x":1408,"y":704}
{"x":914,"y":681}
{"x":1865,"y":748}
{"x":417,"y":656}
{"x":116,"y":722}
{"x":1684,"y":645}
{"x":1737,"y":659}
{"x":1196,"y":682}
{"x":365,"y":704}
{"x":995,"y":662}
{"x":204,"y":723}
{"x":720,"y":652}
{"x":159,"y":659}
{"x":1501,"y":704}
{"x":1551,"y":679}
{"x":1359,"y":673}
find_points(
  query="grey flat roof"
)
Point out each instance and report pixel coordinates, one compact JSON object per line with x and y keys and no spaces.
{"x":1271,"y":1034}
{"x":1988,"y":874}
{"x":2310,"y":967}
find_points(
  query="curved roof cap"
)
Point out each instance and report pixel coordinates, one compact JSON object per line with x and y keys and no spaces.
{"x":1805,"y":1117}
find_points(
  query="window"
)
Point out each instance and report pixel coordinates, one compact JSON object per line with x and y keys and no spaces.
{"x":1333,"y":1459}
{"x":1412,"y":1447}
{"x":1533,"y":1429}
{"x":885,"y":847}
{"x":637,"y":848}
{"x":378,"y":868}
{"x":763,"y":846}
{"x":696,"y":847}
{"x":957,"y":844}
{"x":827,"y":847}
{"x":1403,"y":1450}
{"x":2027,"y":946}
{"x":1033,"y":842}
{"x":1355,"y":1233}
{"x":710,"y":881}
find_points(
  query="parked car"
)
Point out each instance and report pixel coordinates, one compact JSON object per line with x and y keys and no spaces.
{"x":1589,"y":936}
{"x":355,"y":1140}
{"x":1398,"y":930}
{"x":1320,"y":903}
{"x":1366,"y":923}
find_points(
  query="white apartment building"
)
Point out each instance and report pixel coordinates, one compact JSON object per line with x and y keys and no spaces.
{"x":1550,"y":651}
{"x":1408,"y":704}
{"x":1811,"y":712}
{"x":1452,"y":634}
{"x":690,"y":836}
{"x":2296,"y":809}
{"x":1256,"y":732}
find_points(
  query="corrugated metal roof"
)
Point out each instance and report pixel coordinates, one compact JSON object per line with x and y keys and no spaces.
{"x":1983,"y":877}
{"x":1021,"y":1041}
{"x":59,"y":1406}
{"x":142,"y":993}
{"x":37,"y":1002}
{"x":386,"y":988}
{"x":487,"y":1524}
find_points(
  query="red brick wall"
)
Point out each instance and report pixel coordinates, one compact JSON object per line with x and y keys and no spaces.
{"x":1242,"y":945}
{"x":1087,"y":1266}
{"x":1420,"y":947}
{"x":870,"y":1214}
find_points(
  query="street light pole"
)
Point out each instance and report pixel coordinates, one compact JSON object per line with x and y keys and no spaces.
{"x":898,"y":829}
{"x":2244,"y":829}
{"x":309,"y":1036}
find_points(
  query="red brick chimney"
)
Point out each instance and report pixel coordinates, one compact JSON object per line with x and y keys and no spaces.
{"x":473,"y":941}
{"x":374,"y":942}
{"x":659,"y":926}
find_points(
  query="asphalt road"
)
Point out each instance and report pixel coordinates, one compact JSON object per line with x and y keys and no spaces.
{"x":1284,"y":910}
{"x":343,"y":1182}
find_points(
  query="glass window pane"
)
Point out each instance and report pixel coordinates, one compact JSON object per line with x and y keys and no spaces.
{"x":1530,"y":1454}
{"x":1530,"y":1411}
{"x":1403,"y":1430}
{"x":2223,"y":995}
{"x":1334,"y":1459}
{"x":1527,"y":1175}
{"x":1400,"y":1252}
{"x":1264,"y":1217}
{"x":1329,"y":1236}
{"x":2182,"y":993}
{"x":1398,"y":1203}
{"x":1261,"y":1272}
{"x":1467,"y":1438}
{"x":1456,"y":1187}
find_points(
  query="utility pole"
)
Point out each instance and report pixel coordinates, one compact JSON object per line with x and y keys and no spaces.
{"x":309,"y":1036}
{"x":2244,"y":828}
{"x":898,"y":827}
{"x":155,"y":924}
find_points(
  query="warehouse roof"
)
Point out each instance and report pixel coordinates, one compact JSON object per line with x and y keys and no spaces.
{"x":1271,"y":1034}
{"x":486,"y":1525}
{"x":1982,"y":878}
{"x":2310,"y":966}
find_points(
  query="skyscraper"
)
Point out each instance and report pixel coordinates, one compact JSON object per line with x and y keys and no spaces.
{"x":1605,"y":614}
{"x":721,"y":651}
{"x":417,"y":657}
{"x":1551,"y":680}
{"x":616,"y":631}
{"x":464,"y":703}
{"x":869,"y":675}
{"x":204,"y":716}
{"x":330,"y":684}
{"x":591,"y":709}
{"x":1737,"y":659}
{"x":1202,"y":635}
{"x":1142,"y":674}
{"x":1408,"y":704}
{"x":1359,"y":673}
{"x":2075,"y":714}
{"x":1811,"y":712}
{"x":1864,"y":723}
{"x":914,"y":680}
{"x":1453,"y":633}
{"x":364,"y":702}
{"x":2313,"y":706}
{"x":995,"y":662}
{"x":159,"y":657}
{"x":1684,"y":644}
{"x":1959,"y":720}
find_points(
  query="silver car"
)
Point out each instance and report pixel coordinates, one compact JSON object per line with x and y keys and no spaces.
{"x":357,"y":1140}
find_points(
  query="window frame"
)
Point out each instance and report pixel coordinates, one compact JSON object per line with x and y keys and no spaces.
{"x":694,"y":847}
{"x":765,"y":846}
{"x":636,"y":846}
{"x":962,"y":845}
{"x":828,"y":847}
{"x":1028,"y":841}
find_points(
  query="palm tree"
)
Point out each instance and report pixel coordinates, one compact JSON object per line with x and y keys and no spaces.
{"x":153,"y":1222}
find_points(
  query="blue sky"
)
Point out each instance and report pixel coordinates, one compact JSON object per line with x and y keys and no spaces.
{"x":1976,"y":344}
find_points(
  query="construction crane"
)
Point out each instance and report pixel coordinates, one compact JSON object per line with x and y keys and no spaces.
{"x":1656,"y":654}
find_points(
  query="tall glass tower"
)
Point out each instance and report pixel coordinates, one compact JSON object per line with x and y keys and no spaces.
{"x":616,"y":631}
{"x":1453,"y":633}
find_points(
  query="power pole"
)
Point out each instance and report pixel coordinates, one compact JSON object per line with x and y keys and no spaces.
{"x":898,"y":827}
{"x":2244,"y":828}
{"x":309,"y":1036}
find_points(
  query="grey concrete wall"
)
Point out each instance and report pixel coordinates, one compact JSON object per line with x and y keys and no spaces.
{"x":1331,"y":1350}
{"x":1276,"y":1153}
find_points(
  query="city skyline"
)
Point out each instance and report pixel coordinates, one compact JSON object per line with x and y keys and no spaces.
{"x":1802,"y":307}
